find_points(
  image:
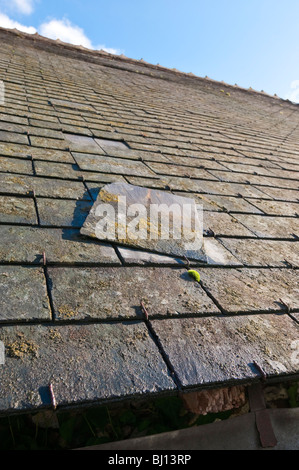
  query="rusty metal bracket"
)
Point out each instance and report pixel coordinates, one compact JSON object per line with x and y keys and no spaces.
{"x":262,"y":418}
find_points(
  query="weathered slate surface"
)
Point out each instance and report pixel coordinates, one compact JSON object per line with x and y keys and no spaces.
{"x":84,"y":363}
{"x":65,"y":135}
{"x":46,"y":187}
{"x":272,"y":253}
{"x":113,"y":293}
{"x":63,"y":213}
{"x":148,"y":232}
{"x":206,"y":351}
{"x":23,"y":294}
{"x":253,"y":290}
{"x":17,"y":210}
{"x":26,"y":245}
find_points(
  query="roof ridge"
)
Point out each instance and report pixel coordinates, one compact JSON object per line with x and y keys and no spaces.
{"x":141,"y":62}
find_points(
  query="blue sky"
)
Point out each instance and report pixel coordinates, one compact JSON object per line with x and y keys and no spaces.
{"x":253,"y":43}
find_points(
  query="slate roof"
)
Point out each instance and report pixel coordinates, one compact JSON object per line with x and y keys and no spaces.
{"x":70,"y":313}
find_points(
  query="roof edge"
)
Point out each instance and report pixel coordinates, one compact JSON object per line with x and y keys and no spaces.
{"x":122,"y":58}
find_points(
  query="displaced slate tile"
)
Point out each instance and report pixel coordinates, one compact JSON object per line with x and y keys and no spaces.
{"x":223,"y":224}
{"x":273,"y":253}
{"x":114,"y":293}
{"x":106,"y":164}
{"x":23,"y":294}
{"x":145,"y":258}
{"x":252,"y":290}
{"x":17,"y":210}
{"x":214,"y":350}
{"x":16,"y":165}
{"x":20,"y":244}
{"x":46,"y":187}
{"x":84,"y":363}
{"x":147,"y":232}
{"x":270,"y":227}
{"x":63,"y":213}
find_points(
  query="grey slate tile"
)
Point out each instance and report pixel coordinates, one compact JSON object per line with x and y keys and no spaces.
{"x":20,"y":244}
{"x":213,"y":351}
{"x":12,"y":137}
{"x":84,"y":363}
{"x":16,"y":165}
{"x":274,"y":253}
{"x":46,"y":187}
{"x":223,"y":224}
{"x":106,"y":164}
{"x":23,"y":294}
{"x":147,"y":232}
{"x":277,"y":207}
{"x":17,"y":210}
{"x":270,"y":227}
{"x":9,"y":149}
{"x":79,"y":143}
{"x":252,"y":290}
{"x":109,"y":293}
{"x":63,"y":212}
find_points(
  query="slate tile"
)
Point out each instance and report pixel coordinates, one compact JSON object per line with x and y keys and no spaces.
{"x":223,"y":224}
{"x":79,"y":143}
{"x":192,"y":161}
{"x":213,"y":351}
{"x":57,"y":170}
{"x":13,"y":137}
{"x":17,"y":210}
{"x":106,"y":164}
{"x":252,"y":290}
{"x":16,"y":165}
{"x":110,"y":145}
{"x":47,"y":187}
{"x":270,"y":227}
{"x":217,"y":254}
{"x":109,"y":293}
{"x":23,"y":294}
{"x":146,"y":258}
{"x":20,"y":244}
{"x":177,"y":170}
{"x":84,"y":363}
{"x":15,"y":150}
{"x":278,"y":207}
{"x":147,"y":232}
{"x":233,"y":204}
{"x":48,"y":143}
{"x":279,"y":194}
{"x":63,"y":212}
{"x":51,"y":155}
{"x":275,"y":253}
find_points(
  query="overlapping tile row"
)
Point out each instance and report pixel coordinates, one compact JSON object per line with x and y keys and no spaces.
{"x":70,"y":306}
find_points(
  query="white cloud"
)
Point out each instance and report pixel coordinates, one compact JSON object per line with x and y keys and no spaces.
{"x":72,"y":34}
{"x":6,"y":22}
{"x":293,"y":95}
{"x":57,"y":29}
{"x":23,"y":6}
